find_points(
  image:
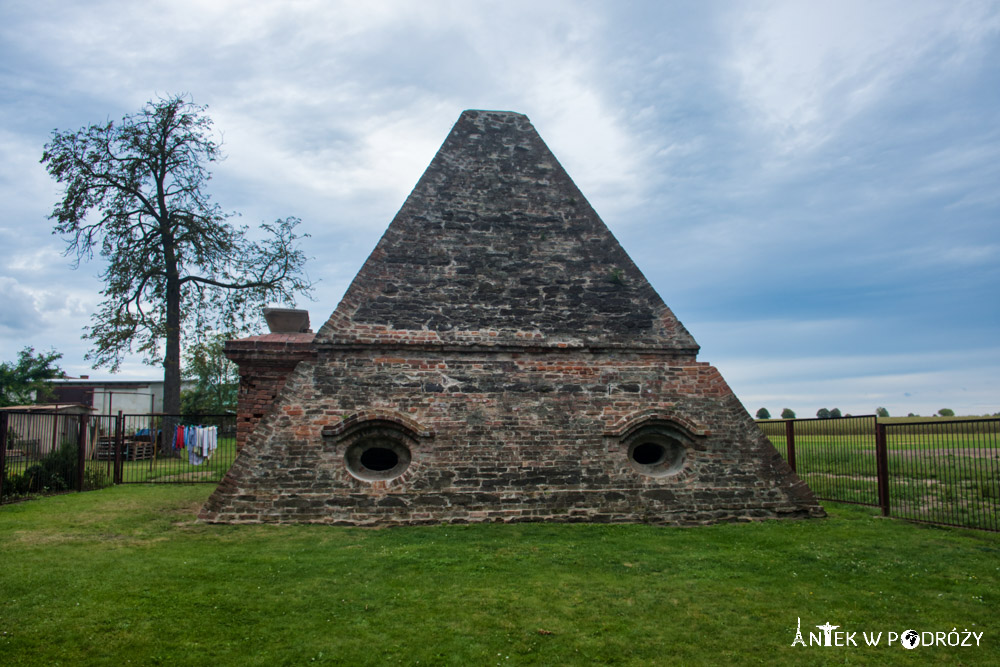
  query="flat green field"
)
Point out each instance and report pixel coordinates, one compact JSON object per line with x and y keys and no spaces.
{"x":946,"y":472}
{"x":127,"y":575}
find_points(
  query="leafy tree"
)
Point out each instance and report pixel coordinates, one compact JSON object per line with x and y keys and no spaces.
{"x":135,"y":192}
{"x":881,"y":412}
{"x":835,"y":413}
{"x":946,"y":412}
{"x":27,"y":379}
{"x":788,"y":413}
{"x":763,"y":414}
{"x":217,"y":378}
{"x":823,"y":413}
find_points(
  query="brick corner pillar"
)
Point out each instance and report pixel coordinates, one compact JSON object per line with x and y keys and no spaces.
{"x":264,"y":362}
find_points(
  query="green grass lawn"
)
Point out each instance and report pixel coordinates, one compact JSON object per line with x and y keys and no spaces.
{"x":127,"y":575}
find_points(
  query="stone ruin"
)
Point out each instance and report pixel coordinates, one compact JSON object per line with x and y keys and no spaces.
{"x":498,"y":357}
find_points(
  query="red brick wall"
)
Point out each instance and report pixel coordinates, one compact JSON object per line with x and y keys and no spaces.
{"x":265,"y":362}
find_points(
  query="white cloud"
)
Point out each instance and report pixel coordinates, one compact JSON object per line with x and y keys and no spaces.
{"x":591,"y":139}
{"x":35,"y":260}
{"x":805,"y":68}
{"x":30,"y":309}
{"x":384,"y":157}
{"x":760,"y":187}
{"x":27,"y":191}
{"x":19,"y":315}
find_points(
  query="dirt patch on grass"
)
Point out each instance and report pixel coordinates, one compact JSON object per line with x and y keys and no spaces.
{"x":944,"y":452}
{"x":197,"y":476}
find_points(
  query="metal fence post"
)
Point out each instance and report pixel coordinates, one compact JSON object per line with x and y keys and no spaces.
{"x":882,"y":468}
{"x":3,"y":450}
{"x":81,"y":447}
{"x":790,"y":443}
{"x":119,"y":441}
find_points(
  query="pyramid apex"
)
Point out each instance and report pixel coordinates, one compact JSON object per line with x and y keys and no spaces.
{"x":476,"y":113}
{"x":496,"y":246}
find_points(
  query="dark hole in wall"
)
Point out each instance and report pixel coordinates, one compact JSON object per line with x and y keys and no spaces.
{"x":649,"y":453}
{"x":379,"y":459}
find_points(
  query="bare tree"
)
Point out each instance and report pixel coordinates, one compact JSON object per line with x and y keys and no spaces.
{"x":135,"y":192}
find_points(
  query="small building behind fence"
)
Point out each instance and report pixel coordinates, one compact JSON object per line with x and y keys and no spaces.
{"x":40,"y":429}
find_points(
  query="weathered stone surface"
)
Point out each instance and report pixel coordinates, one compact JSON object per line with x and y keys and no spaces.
{"x":496,"y":246}
{"x":498,"y":358}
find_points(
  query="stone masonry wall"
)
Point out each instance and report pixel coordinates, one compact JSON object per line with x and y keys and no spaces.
{"x":496,"y":436}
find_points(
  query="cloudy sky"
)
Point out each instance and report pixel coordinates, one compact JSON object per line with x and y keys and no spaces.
{"x":812,"y":187}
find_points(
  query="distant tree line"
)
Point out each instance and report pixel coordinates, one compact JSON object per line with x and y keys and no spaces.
{"x":835,"y":413}
{"x":787,"y":413}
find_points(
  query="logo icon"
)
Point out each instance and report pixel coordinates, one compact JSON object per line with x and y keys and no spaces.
{"x":910,"y":639}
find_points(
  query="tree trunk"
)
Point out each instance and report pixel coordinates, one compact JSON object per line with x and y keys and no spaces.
{"x":172,"y":354}
{"x":172,"y":357}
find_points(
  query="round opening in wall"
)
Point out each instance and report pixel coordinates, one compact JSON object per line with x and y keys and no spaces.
{"x":649,"y":453}
{"x":376,"y":458}
{"x":379,"y":459}
{"x":656,"y":453}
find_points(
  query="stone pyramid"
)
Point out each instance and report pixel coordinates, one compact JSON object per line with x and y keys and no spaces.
{"x":499,"y":357}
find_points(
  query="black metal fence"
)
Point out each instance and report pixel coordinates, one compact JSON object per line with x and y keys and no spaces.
{"x":945,"y":472}
{"x":51,"y":452}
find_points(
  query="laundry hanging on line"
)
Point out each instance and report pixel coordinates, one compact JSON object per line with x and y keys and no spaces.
{"x":200,"y":441}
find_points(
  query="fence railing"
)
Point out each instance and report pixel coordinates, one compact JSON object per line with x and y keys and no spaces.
{"x":51,"y":452}
{"x":945,"y":472}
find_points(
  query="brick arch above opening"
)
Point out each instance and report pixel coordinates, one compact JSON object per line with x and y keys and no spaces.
{"x":365,"y":417}
{"x":630,"y":423}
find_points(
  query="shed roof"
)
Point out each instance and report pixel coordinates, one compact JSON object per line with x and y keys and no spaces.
{"x":48,"y":407}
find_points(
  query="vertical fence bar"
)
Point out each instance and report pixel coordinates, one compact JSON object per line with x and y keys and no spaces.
{"x":882,"y":468}
{"x":81,"y":449}
{"x":991,"y":489}
{"x":105,"y":445}
{"x":957,"y":447}
{"x":790,"y":443}
{"x":55,"y":431}
{"x":926,"y":472}
{"x":119,"y":441}
{"x":3,"y":450}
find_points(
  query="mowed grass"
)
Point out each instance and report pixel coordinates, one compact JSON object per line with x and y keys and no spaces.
{"x":128,"y":576}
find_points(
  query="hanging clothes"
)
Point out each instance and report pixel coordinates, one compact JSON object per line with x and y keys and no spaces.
{"x":211,"y":441}
{"x":201,"y":443}
{"x":191,"y":442}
